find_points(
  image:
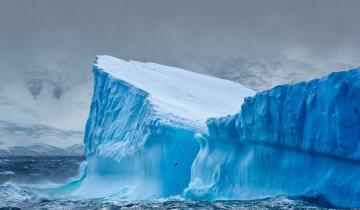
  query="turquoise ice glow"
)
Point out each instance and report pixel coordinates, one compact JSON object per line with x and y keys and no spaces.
{"x":156,"y":132}
{"x":297,"y":140}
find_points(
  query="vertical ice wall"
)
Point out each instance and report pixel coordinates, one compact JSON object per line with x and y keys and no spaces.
{"x":143,"y":136}
{"x":139,"y":136}
{"x":132,"y":153}
{"x":300,"y":139}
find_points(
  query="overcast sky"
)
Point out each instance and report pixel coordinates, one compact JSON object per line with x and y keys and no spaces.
{"x":66,"y":35}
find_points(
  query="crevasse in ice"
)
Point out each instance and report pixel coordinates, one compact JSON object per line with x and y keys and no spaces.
{"x":298,"y":140}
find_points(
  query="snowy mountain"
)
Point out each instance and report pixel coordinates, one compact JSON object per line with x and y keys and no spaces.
{"x":42,"y":112}
{"x":261,"y":73}
{"x":39,"y":101}
{"x":29,"y":140}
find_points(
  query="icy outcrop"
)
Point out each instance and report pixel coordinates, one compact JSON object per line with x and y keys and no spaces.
{"x":301,"y":139}
{"x":139,"y":137}
{"x":155,"y":132}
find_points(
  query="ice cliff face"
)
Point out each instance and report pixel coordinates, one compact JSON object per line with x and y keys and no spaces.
{"x":300,"y":139}
{"x":156,"y":131}
{"x":140,"y":135}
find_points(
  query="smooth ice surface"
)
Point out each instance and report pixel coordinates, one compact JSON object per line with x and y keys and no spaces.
{"x":139,"y":137}
{"x":177,"y":92}
{"x":300,"y":139}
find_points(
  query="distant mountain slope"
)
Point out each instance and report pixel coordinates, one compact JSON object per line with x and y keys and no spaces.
{"x":40,"y":99}
{"x":42,"y":112}
{"x":261,"y":74}
{"x":29,"y":139}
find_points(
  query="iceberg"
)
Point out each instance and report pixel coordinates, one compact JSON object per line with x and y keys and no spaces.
{"x":160,"y":132}
{"x":296,"y":140}
{"x":141,"y":134}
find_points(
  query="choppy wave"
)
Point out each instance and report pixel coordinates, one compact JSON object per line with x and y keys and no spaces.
{"x":23,"y":197}
{"x":58,"y":196}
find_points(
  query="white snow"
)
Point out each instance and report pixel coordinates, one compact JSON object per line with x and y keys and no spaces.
{"x":37,"y":139}
{"x":43,"y":125}
{"x":68,"y":112}
{"x":174,"y":91}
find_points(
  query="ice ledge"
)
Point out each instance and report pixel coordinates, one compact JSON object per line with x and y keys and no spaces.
{"x":177,"y":92}
{"x":321,"y":116}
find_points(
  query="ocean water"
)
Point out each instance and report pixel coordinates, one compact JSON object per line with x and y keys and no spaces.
{"x":38,"y":170}
{"x":20,"y":176}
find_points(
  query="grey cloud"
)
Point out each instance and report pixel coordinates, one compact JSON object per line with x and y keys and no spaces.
{"x":64,"y":36}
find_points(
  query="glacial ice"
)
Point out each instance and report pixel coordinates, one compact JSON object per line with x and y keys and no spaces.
{"x":156,"y":132}
{"x":298,"y":140}
{"x":140,"y":135}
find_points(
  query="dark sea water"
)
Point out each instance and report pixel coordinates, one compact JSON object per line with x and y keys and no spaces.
{"x":19,"y":175}
{"x":37,"y":170}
